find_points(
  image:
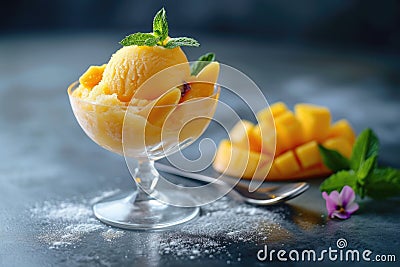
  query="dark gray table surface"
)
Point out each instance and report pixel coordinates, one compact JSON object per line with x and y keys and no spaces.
{"x":46,"y":158}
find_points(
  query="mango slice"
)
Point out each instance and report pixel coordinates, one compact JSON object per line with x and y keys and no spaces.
{"x":297,"y":154}
{"x":203,"y":84}
{"x":162,"y":107}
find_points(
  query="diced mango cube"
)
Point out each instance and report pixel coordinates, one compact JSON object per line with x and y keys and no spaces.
{"x":315,"y":121}
{"x":275,"y":110}
{"x":343,"y":129}
{"x":288,"y":131}
{"x":339,"y":144}
{"x":236,"y":161}
{"x":278,"y":109}
{"x":308,"y":154}
{"x":287,"y":163}
{"x":245,"y":135}
{"x":92,"y":76}
{"x":266,"y":136}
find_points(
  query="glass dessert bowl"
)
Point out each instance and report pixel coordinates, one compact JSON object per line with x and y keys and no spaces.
{"x":161,"y":118}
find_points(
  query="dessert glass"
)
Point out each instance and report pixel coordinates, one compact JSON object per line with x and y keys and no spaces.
{"x":143,"y":134}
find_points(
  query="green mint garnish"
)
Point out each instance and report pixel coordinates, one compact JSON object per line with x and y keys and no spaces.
{"x":138,"y":39}
{"x":203,"y":61}
{"x":338,"y":180}
{"x":333,"y":159}
{"x":158,"y":36}
{"x":366,"y":145}
{"x":160,"y":25}
{"x":383,"y":183}
{"x":361,"y":172}
{"x":181,"y":41}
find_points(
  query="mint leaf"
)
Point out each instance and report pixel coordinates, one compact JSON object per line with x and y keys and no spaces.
{"x":160,"y":25}
{"x":203,"y":61}
{"x":338,"y":180}
{"x":159,"y":35}
{"x":365,"y":168}
{"x":333,"y":159}
{"x":383,"y":183}
{"x":138,"y":38}
{"x":151,"y":41}
{"x":181,"y":41}
{"x":366,"y":145}
{"x":363,"y":172}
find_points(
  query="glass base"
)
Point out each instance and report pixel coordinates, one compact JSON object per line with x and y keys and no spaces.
{"x":143,"y":214}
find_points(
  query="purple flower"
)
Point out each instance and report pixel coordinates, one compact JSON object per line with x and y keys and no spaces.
{"x":341,"y":205}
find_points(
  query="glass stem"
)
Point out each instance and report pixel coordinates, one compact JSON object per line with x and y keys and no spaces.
{"x":146,"y":180}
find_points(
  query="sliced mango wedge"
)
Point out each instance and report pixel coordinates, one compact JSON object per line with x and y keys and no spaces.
{"x":203,"y":84}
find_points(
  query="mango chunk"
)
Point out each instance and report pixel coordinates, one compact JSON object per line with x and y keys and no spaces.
{"x":265,"y":135}
{"x":343,"y":129}
{"x":308,"y":154}
{"x":244,"y":134}
{"x":315,"y":120}
{"x":278,"y":109}
{"x":235,"y":161}
{"x":341,"y":145}
{"x":288,"y":131}
{"x":92,"y":76}
{"x":287,"y":163}
{"x":275,"y":110}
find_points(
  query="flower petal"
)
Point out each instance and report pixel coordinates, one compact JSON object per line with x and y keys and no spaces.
{"x":330,"y":204}
{"x":334,"y":196}
{"x":352,"y":208}
{"x":340,"y":215}
{"x":347,"y":196}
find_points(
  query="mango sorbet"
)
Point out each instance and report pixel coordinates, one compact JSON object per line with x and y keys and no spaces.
{"x":127,"y":70}
{"x":105,"y":94}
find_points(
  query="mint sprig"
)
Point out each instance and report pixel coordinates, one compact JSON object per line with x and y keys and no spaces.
{"x":361,"y":172}
{"x":158,"y":36}
{"x":333,"y":159}
{"x":203,"y":61}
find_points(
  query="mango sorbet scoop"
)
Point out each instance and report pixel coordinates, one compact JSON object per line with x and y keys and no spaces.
{"x":102,"y":97}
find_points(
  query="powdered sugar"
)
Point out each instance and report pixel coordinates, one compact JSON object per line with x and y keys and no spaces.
{"x":112,"y":234}
{"x":67,"y":223}
{"x":221,"y":225}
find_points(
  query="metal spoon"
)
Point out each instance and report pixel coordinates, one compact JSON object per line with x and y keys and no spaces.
{"x":262,"y":196}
